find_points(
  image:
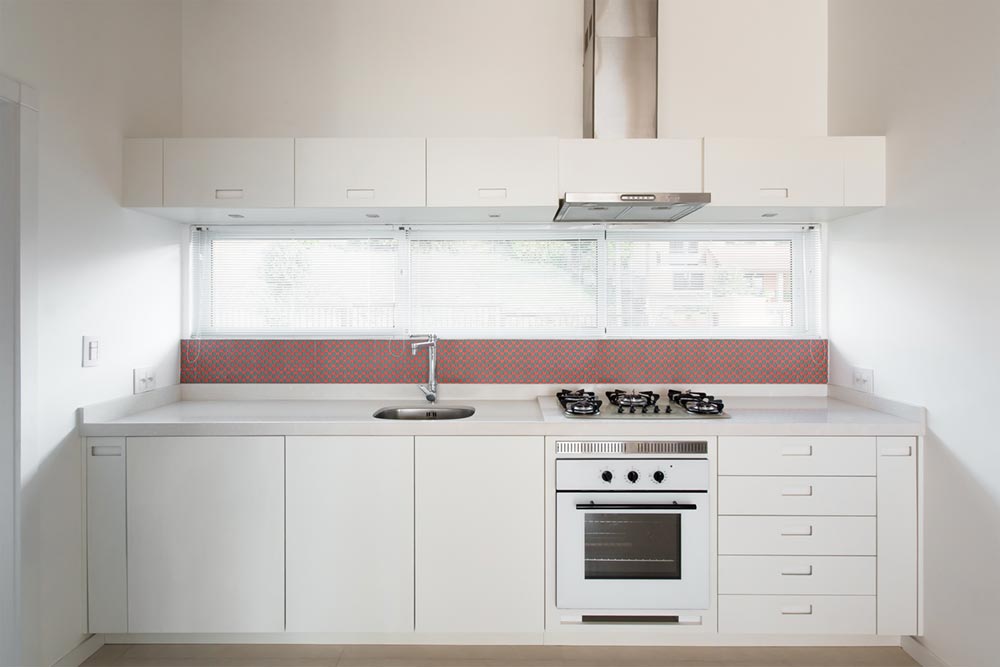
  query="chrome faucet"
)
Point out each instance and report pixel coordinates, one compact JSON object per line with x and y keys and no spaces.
{"x":429,"y":389}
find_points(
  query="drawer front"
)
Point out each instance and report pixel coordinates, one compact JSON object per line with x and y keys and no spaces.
{"x":837,"y":456}
{"x":797,"y":535}
{"x":817,"y":496}
{"x":230,"y":173}
{"x":797,"y":614}
{"x":797,"y":575}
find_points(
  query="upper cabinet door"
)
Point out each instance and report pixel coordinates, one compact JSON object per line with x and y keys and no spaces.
{"x":360,"y":172}
{"x":492,"y":172}
{"x":630,"y":165}
{"x":806,"y":171}
{"x":238,"y":173}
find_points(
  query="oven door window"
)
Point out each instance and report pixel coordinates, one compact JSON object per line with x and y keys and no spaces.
{"x":632,"y":546}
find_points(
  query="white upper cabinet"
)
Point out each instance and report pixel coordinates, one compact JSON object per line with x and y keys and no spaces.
{"x":794,"y":178}
{"x":231,"y":173}
{"x":493,"y":173}
{"x":360,"y":173}
{"x":630,"y":165}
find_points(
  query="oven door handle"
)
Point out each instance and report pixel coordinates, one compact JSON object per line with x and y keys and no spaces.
{"x":669,"y":506}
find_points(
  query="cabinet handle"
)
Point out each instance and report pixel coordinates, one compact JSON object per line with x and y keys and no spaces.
{"x":774,"y":193}
{"x":797,"y":491}
{"x":492,"y":193}
{"x":229,"y":194}
{"x":106,"y":450}
{"x":904,"y":450}
{"x":797,"y":610}
{"x":797,"y":530}
{"x":803,"y":571}
{"x":361,"y":193}
{"x":797,"y":450}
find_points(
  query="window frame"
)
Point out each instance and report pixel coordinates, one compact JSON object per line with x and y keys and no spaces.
{"x":806,"y":267}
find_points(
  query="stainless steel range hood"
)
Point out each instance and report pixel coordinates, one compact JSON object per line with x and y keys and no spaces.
{"x":620,"y":96}
{"x":629,"y":207}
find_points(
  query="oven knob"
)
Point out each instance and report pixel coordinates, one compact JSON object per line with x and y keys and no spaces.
{"x":658,"y":476}
{"x":607,"y":476}
{"x":633,"y":476}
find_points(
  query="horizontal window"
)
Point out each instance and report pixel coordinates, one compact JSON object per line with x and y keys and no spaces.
{"x":325,"y":282}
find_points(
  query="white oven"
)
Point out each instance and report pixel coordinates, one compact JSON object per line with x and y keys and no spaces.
{"x":632,"y":534}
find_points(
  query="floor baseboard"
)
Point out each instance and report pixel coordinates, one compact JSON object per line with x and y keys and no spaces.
{"x":79,"y":655}
{"x":916,"y":650}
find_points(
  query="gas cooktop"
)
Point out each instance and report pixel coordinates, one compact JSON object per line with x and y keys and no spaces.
{"x":638,"y":405}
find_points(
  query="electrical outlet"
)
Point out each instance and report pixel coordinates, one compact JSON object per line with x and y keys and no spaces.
{"x":143,"y":380}
{"x":91,"y":351}
{"x":863,"y":379}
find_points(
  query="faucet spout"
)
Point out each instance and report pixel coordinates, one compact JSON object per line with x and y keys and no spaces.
{"x":430,"y":389}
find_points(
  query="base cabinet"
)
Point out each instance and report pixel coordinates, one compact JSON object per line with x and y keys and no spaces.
{"x":205,"y":522}
{"x":349,"y":534}
{"x":480,"y":528}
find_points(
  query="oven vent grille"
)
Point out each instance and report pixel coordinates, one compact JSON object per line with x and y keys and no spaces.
{"x":632,"y":447}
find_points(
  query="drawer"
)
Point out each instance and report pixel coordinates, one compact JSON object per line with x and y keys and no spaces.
{"x":797,"y":575}
{"x":797,"y":535}
{"x":818,"y":496}
{"x":797,"y":614}
{"x":838,"y":456}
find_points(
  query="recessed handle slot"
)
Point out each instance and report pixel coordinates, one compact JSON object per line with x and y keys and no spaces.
{"x":229,"y":194}
{"x":106,"y":450}
{"x":800,"y":571}
{"x":492,"y":193}
{"x":361,"y":193}
{"x":805,"y":490}
{"x":904,"y":450}
{"x":797,"y":610}
{"x":774,"y":193}
{"x":797,"y":450}
{"x":793,"y":531}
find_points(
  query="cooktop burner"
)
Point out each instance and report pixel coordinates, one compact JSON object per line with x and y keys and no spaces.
{"x":632,"y":404}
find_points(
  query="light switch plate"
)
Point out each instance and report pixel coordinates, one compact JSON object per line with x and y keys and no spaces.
{"x":863,"y":379}
{"x":143,"y":380}
{"x":91,"y":351}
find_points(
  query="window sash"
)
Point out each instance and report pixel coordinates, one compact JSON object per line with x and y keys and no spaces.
{"x":807,"y":280}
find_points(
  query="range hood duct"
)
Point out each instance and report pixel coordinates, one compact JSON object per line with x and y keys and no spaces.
{"x":619,"y":69}
{"x":619,"y":102}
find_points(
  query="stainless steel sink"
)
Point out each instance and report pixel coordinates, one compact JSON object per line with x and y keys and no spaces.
{"x":428,"y":413}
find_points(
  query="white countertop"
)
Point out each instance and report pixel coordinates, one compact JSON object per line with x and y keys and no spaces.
{"x":749,"y":416}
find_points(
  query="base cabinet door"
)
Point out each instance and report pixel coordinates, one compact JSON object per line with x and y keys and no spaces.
{"x":350,"y":534}
{"x":898,"y":546}
{"x":205,"y":522}
{"x":480,"y":515}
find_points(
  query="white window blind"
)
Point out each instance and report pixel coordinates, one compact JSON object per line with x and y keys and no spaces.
{"x":338,"y":282}
{"x":483,"y":285}
{"x":713,"y":284}
{"x":248,"y":283}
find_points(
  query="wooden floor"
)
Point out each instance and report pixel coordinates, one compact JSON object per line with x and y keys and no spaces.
{"x":254,"y":655}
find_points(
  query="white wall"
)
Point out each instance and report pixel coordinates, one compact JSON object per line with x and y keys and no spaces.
{"x":742,"y":68}
{"x":104,"y":69}
{"x":383,"y":67}
{"x":913,"y":287}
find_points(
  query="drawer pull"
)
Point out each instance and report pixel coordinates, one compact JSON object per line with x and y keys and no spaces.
{"x":797,"y":610}
{"x":360,"y":193}
{"x":106,"y":450}
{"x":797,"y":530}
{"x":492,"y":193}
{"x":229,"y":194}
{"x":802,"y":571}
{"x":797,"y":490}
{"x":905,"y":450}
{"x":797,"y":450}
{"x":774,"y":193}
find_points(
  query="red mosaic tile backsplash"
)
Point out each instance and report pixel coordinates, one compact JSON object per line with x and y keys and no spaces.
{"x":569,"y":362}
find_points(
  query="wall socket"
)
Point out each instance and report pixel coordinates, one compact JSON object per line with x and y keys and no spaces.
{"x":143,"y":380}
{"x":863,"y":379}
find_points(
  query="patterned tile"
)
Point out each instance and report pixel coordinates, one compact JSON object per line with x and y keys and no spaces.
{"x":627,"y":361}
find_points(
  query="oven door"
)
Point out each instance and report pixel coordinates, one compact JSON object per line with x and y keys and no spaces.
{"x":632,"y":550}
